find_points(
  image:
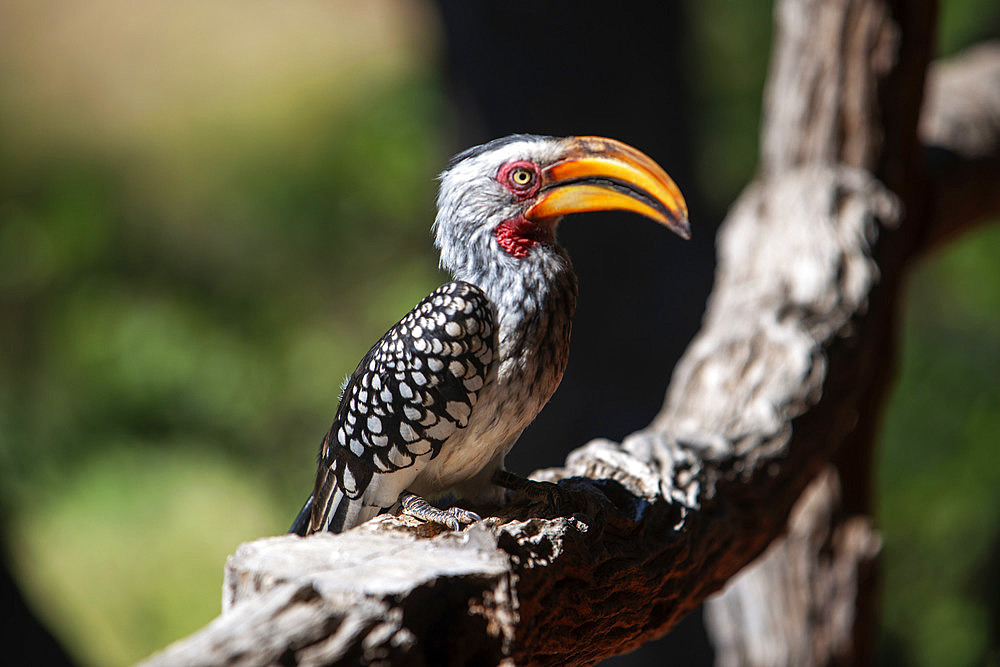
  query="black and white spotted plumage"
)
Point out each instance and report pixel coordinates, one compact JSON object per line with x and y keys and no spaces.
{"x":409,"y":394}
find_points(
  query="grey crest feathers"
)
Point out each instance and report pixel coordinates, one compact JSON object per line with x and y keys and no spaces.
{"x":495,"y":144}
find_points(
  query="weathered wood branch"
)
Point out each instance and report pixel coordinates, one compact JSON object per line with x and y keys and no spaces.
{"x":795,"y":605}
{"x":809,"y":599}
{"x":960,"y":126}
{"x":642,"y":531}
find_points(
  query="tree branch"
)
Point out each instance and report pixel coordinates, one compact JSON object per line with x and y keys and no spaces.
{"x":795,"y":605}
{"x":810,"y":598}
{"x":790,"y":350}
{"x":960,"y":126}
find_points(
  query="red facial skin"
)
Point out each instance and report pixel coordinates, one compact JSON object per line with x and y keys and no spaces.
{"x":519,"y":235}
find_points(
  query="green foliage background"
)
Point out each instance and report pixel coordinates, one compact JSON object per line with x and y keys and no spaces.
{"x":205,"y":218}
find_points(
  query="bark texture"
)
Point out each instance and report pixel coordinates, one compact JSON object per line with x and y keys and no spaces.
{"x":790,"y":366}
{"x":811,"y":598}
{"x":797,"y":603}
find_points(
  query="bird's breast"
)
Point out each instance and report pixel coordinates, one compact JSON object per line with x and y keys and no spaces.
{"x":533,"y":332}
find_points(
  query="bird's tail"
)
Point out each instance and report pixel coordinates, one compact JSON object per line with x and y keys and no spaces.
{"x":341,"y":513}
{"x":301,"y":523}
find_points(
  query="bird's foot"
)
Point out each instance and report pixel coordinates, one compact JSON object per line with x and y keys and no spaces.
{"x":453,"y":517}
{"x":541,"y":492}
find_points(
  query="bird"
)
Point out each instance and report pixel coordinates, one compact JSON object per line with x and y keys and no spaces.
{"x":437,"y":403}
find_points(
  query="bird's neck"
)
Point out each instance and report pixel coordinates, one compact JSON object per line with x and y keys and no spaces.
{"x":535,"y":297}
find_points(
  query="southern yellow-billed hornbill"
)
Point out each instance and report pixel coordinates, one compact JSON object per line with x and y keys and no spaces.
{"x":437,"y":403}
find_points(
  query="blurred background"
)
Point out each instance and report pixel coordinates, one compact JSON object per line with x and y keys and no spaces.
{"x":210,"y":210}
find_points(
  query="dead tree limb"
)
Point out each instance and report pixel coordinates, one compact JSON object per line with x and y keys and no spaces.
{"x":961,"y":128}
{"x":796,"y":604}
{"x":810,"y":598}
{"x":790,"y":365}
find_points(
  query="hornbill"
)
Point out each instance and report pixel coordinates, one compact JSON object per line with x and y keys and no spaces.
{"x":437,"y":403}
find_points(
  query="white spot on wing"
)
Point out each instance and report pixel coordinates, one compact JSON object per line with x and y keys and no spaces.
{"x":458,"y":410}
{"x":441,"y":430}
{"x":419,"y":448}
{"x":350,"y":484}
{"x":398,"y":458}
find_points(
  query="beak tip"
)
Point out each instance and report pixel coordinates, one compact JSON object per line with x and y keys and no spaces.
{"x":682,"y":227}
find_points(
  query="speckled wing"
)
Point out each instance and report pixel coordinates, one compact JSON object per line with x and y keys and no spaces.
{"x":410,"y":393}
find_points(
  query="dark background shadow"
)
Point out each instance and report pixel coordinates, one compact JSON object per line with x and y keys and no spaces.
{"x":564,"y":68}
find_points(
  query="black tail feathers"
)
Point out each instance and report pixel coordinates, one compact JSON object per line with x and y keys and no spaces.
{"x":301,"y":524}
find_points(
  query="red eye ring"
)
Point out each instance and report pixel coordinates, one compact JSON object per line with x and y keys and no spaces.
{"x":520,"y":177}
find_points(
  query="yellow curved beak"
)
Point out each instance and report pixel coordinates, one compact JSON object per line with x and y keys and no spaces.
{"x":600,"y":174}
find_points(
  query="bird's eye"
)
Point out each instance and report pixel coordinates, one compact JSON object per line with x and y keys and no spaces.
{"x":521,"y":177}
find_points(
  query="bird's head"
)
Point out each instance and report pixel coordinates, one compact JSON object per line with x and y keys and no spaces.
{"x":499,"y":203}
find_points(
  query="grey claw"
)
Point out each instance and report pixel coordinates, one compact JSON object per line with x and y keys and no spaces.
{"x":463,"y":516}
{"x":453,"y":517}
{"x":469,"y":517}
